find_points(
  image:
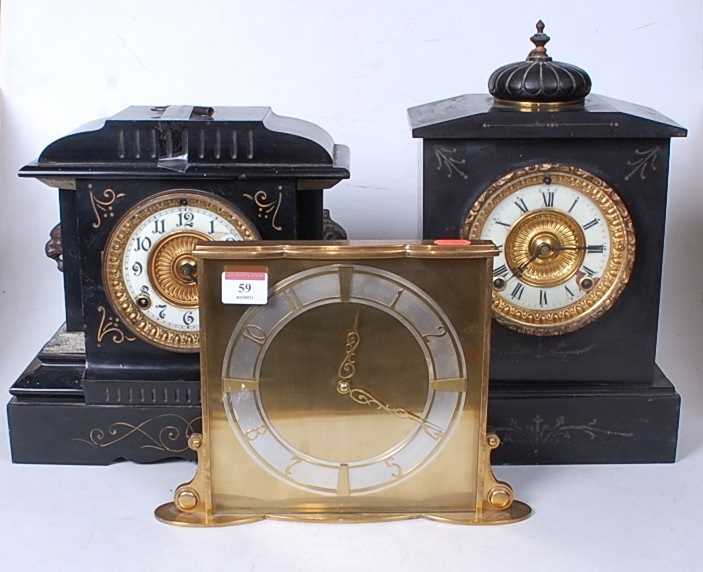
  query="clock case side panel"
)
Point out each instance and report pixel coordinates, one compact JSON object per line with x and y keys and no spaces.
{"x":309,"y":214}
{"x":70,"y":247}
{"x":619,"y":347}
{"x":113,"y":352}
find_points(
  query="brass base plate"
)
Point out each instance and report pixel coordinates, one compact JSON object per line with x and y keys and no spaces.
{"x":169,"y":514}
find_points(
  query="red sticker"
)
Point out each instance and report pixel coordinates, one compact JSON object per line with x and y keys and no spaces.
{"x":245,"y":275}
{"x":452,"y":242}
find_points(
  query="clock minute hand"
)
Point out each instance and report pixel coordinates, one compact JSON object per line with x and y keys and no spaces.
{"x":543,"y":249}
{"x":346,"y":372}
{"x":559,"y":248}
{"x":363,"y":397}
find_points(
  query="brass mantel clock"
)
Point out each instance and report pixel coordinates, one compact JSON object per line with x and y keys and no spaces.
{"x":572,"y":188}
{"x":355,"y":392}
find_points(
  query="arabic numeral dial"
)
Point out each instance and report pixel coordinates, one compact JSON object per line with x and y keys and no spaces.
{"x":152,"y":261}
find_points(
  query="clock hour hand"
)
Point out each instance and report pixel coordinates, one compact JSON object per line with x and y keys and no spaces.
{"x":543,"y":249}
{"x":521,"y":269}
{"x":347,"y":368}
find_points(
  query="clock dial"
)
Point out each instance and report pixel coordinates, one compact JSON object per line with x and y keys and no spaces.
{"x":567,"y":247}
{"x":329,"y":420}
{"x":149,"y":270}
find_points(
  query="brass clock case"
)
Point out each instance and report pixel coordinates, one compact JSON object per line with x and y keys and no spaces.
{"x":357,"y":392}
{"x":171,"y":266}
{"x":547,"y":245}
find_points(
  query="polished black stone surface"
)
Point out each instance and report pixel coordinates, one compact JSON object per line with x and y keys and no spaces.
{"x":595,"y":394}
{"x":96,"y":378}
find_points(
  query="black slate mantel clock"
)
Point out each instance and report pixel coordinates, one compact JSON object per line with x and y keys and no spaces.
{"x":137,"y":192}
{"x":572,"y":188}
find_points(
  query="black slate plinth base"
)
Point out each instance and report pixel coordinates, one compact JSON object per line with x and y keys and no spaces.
{"x":64,"y":432}
{"x":56,"y":416}
{"x":585,"y":423}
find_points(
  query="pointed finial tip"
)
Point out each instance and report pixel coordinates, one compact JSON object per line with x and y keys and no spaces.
{"x":539,"y":39}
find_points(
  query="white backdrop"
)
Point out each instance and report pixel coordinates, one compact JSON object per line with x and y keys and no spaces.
{"x":353,"y":68}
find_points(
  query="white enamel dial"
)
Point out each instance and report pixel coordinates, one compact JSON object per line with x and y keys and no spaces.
{"x":571,"y":203}
{"x":146,"y":238}
{"x":150,"y":273}
{"x":566,"y":244}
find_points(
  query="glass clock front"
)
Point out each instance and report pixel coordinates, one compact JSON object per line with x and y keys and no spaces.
{"x":310,"y":379}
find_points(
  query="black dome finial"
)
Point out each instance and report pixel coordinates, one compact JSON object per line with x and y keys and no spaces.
{"x":539,"y":82}
{"x":539,"y":39}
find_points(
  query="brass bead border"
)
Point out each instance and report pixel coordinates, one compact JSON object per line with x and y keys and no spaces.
{"x":113,"y":278}
{"x":620,"y":261}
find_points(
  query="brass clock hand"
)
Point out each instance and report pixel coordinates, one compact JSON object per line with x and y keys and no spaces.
{"x":363,"y":397}
{"x":597,"y":248}
{"x":519,"y":271}
{"x":347,"y":368}
{"x":346,"y":372}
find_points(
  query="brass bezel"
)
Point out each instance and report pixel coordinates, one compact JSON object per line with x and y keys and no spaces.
{"x":620,"y":262}
{"x":113,"y":279}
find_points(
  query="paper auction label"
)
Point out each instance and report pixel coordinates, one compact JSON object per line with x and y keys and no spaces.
{"x":245,"y":285}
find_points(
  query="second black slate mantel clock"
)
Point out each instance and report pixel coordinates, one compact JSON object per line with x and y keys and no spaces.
{"x":572,"y":188}
{"x":137,"y":192}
